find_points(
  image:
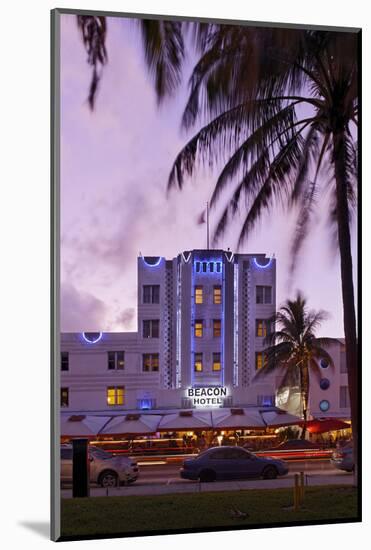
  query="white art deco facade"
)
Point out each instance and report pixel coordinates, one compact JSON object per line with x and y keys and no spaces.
{"x":202,"y":318}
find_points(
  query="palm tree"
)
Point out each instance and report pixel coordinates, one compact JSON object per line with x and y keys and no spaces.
{"x":279,"y":109}
{"x":294,"y":348}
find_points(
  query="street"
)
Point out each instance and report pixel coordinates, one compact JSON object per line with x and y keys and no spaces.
{"x":162,"y":478}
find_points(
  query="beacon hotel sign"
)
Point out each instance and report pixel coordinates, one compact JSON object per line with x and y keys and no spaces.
{"x":210,"y":396}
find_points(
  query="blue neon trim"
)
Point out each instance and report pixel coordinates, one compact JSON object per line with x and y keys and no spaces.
{"x":262,"y":266}
{"x":92,"y":341}
{"x":152,"y":265}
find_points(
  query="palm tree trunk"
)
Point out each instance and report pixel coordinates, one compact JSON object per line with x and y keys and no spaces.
{"x":342,"y":211}
{"x":304,"y":379}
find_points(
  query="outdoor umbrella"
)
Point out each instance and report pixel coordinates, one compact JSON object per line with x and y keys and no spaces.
{"x":237,"y":418}
{"x":185,"y":420}
{"x":87,"y":426}
{"x":277,"y":418}
{"x":322,"y":425}
{"x":132,"y":424}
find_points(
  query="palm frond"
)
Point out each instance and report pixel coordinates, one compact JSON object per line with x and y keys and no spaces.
{"x":163,"y":44}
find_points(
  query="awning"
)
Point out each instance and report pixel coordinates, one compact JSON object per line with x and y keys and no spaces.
{"x":186,"y":420}
{"x":132,"y":424}
{"x":80,"y":425}
{"x":238,"y":418}
{"x":278,"y":418}
{"x":322,"y":425}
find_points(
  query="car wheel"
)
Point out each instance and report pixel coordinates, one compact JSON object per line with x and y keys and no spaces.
{"x":108,"y":479}
{"x":207,"y":476}
{"x":270,"y":472}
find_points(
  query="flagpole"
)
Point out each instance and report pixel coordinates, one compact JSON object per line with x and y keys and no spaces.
{"x":207,"y":223}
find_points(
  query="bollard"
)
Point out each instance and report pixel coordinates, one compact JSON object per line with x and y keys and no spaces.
{"x":296,"y":493}
{"x":80,"y":468}
{"x":301,"y":487}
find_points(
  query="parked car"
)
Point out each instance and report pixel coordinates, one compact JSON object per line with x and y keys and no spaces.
{"x":220,"y":463}
{"x":343,"y":458}
{"x":105,"y":469}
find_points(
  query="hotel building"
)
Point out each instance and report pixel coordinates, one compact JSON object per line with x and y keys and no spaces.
{"x":202,"y":319}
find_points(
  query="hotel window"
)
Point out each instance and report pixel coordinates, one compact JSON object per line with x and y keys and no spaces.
{"x":262,"y":327}
{"x":151,"y":294}
{"x":217,"y":328}
{"x":64,"y":361}
{"x":263,"y":294}
{"x":151,"y":328}
{"x":115,"y":395}
{"x":151,"y":362}
{"x":199,"y":295}
{"x":199,"y":328}
{"x":265,"y":400}
{"x":216,"y":362}
{"x":260,"y":359}
{"x":64,"y":397}
{"x":198,"y":362}
{"x":204,"y":267}
{"x":344,"y":397}
{"x":218,"y":267}
{"x":217,"y":294}
{"x":116,"y":360}
{"x":343,"y":362}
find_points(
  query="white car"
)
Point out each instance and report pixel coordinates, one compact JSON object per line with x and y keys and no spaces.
{"x":105,"y":469}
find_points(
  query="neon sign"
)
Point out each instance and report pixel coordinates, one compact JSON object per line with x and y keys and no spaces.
{"x":209,"y":396}
{"x":262,"y":266}
{"x":92,"y":337}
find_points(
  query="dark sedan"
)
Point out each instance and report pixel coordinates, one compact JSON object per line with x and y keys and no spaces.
{"x":222,"y":463}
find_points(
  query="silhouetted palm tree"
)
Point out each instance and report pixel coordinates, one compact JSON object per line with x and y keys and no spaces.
{"x":294,"y":348}
{"x":279,"y":108}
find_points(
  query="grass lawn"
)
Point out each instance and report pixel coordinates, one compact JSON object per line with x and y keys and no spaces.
{"x":110,"y":515}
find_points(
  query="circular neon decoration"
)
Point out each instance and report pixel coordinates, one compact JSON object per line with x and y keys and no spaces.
{"x":92,"y":337}
{"x":324,"y":405}
{"x":324,"y":363}
{"x":262,"y":266}
{"x":152,"y":261}
{"x":324,"y":384}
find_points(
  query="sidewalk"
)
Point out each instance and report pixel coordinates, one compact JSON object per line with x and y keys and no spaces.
{"x":173,"y":486}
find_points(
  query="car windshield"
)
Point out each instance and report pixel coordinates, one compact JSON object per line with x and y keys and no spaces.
{"x":99,"y":453}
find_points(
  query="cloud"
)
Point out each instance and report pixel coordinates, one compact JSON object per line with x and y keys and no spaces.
{"x":80,"y":311}
{"x":125,"y":318}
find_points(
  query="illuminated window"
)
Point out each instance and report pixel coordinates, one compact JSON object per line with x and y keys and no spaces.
{"x":217,"y":328}
{"x":64,"y":360}
{"x":260,"y":360}
{"x":262,"y":327}
{"x":199,"y":295}
{"x":115,"y":395}
{"x":216,"y":362}
{"x":151,"y":328}
{"x":265,"y":400}
{"x":263,"y":294}
{"x":198,"y":362}
{"x":217,"y":294}
{"x":116,"y":360}
{"x":151,"y":294}
{"x":199,"y":328}
{"x":64,"y":397}
{"x":151,"y":362}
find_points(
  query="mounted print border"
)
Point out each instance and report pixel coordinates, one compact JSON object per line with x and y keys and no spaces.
{"x":206,"y":290}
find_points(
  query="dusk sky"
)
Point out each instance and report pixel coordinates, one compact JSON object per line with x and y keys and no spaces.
{"x":115,"y":163}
